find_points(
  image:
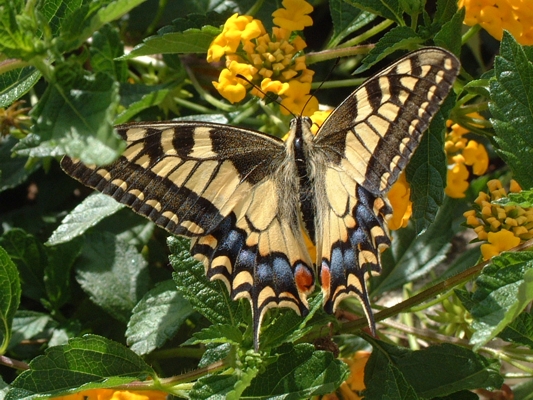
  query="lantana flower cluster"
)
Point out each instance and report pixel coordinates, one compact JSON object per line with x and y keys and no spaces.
{"x":515,"y":16}
{"x":270,"y":61}
{"x":110,"y":394}
{"x":502,"y":227}
{"x":354,"y":386}
{"x":462,"y":152}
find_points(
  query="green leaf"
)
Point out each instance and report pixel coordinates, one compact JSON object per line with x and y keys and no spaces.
{"x":75,"y":117}
{"x":28,"y":325}
{"x":30,"y":258}
{"x":446,"y":9}
{"x":299,"y":372}
{"x":189,"y":41}
{"x":213,"y":387}
{"x":57,"y":277}
{"x":113,"y":273}
{"x":214,"y":353}
{"x":15,"y":84}
{"x":412,"y":255}
{"x":9,"y":297}
{"x":156,"y":318}
{"x":287,"y":326}
{"x":426,"y":172}
{"x":522,"y":199}
{"x":523,"y":390}
{"x":85,"y":215}
{"x":106,"y":47}
{"x":504,"y":289}
{"x":447,"y":36}
{"x":217,"y":334}
{"x":434,"y":371}
{"x":520,"y":330}
{"x":346,"y":20}
{"x":209,"y":298}
{"x":13,"y":170}
{"x":90,"y":359}
{"x":398,"y":38}
{"x":137,"y":98}
{"x":511,"y":92}
{"x":393,"y":384}
{"x":87,"y":18}
{"x":389,"y":9}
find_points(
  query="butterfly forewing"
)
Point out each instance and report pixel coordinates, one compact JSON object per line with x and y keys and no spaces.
{"x":374,"y":132}
{"x":218,"y":185}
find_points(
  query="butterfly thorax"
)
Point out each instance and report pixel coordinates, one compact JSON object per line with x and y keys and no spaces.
{"x":298,"y":148}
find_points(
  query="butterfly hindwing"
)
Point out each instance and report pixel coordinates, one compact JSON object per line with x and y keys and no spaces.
{"x":367,"y":141}
{"x":218,"y":185}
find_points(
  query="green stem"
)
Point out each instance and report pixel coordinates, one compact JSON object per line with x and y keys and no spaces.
{"x":160,"y":10}
{"x":367,"y":34}
{"x":255,"y":8}
{"x":337,"y":84}
{"x":11,"y":64}
{"x":469,"y":33}
{"x":332,"y":54}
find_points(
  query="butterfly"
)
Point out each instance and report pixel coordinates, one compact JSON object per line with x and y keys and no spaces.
{"x":248,"y":200}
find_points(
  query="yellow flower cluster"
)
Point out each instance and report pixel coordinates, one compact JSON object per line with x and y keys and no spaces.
{"x":462,"y":152}
{"x":502,"y":227}
{"x":110,"y":394}
{"x":494,"y":16}
{"x":269,"y":61}
{"x":400,"y":200}
{"x":352,"y":388}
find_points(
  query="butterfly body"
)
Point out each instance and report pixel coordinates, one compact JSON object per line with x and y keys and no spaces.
{"x":248,"y":200}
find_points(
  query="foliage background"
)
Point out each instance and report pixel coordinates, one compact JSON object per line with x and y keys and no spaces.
{"x":81,"y":278}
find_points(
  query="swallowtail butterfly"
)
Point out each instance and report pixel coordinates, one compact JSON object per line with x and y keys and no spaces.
{"x":246,"y":199}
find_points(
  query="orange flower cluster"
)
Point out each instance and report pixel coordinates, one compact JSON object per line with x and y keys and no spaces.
{"x":502,"y":227}
{"x":462,"y":152}
{"x":515,"y":16}
{"x":400,"y":200}
{"x":352,"y":388}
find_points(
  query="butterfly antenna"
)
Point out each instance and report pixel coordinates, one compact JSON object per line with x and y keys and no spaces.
{"x":321,"y":83}
{"x":269,"y":96}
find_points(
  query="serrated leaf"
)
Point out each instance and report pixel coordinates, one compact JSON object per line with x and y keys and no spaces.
{"x":346,"y":20}
{"x":288,"y":326}
{"x":511,"y":93}
{"x":57,"y":277}
{"x":389,"y":9}
{"x":299,"y":372}
{"x":426,"y":172}
{"x":214,"y":353}
{"x":15,"y":84}
{"x":85,"y":215}
{"x":434,"y":371}
{"x":412,"y":255}
{"x":392,"y":382}
{"x":213,"y":387}
{"x":87,"y":18}
{"x":90,"y":359}
{"x":209,"y":298}
{"x":398,"y":38}
{"x":219,"y":333}
{"x":13,"y":170}
{"x":522,"y":199}
{"x":504,"y":289}
{"x":520,"y":330}
{"x":9,"y":297}
{"x":106,"y":47}
{"x":28,"y":325}
{"x":446,"y":9}
{"x":156,"y":318}
{"x":189,"y":41}
{"x":137,"y":98}
{"x":30,"y":258}
{"x":447,"y":36}
{"x":74,"y":116}
{"x":113,"y":273}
